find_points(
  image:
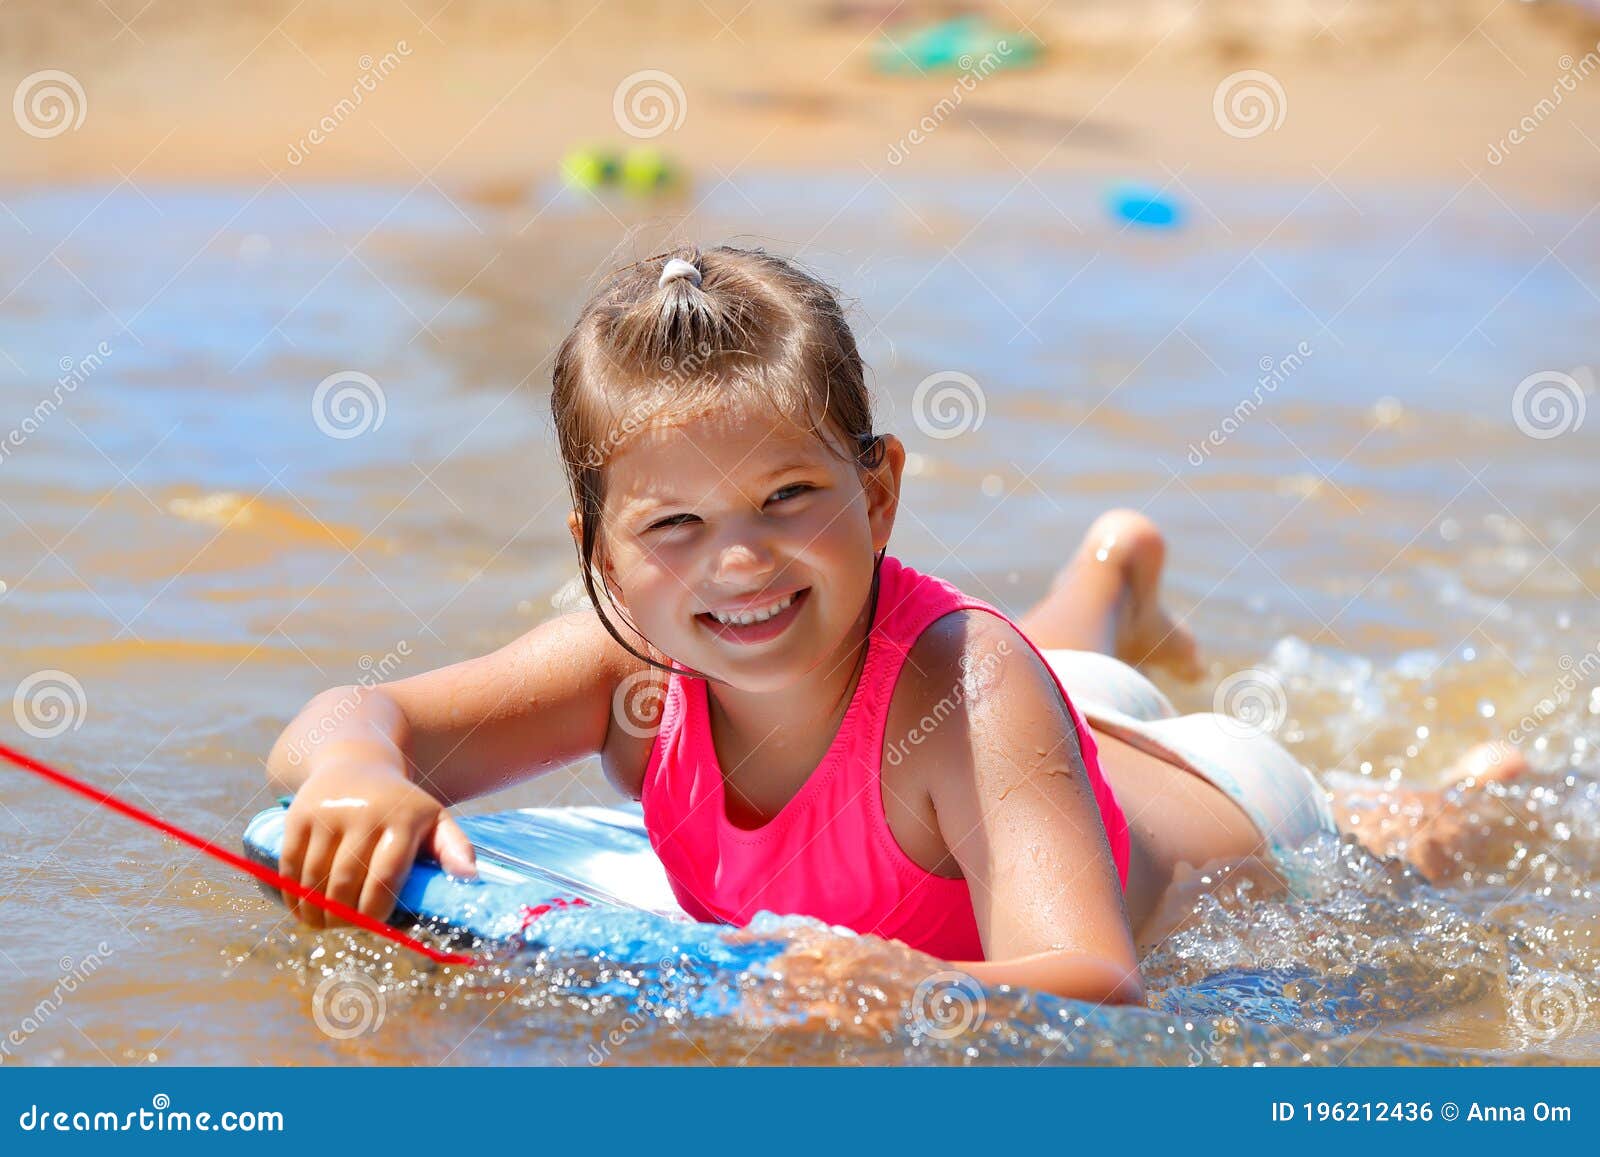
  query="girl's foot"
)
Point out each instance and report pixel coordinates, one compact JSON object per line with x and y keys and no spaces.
{"x":1496,"y":762}
{"x":1108,"y":599}
{"x":1430,"y":829}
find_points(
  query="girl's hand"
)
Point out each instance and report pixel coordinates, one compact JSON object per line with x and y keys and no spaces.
{"x":354,"y":830}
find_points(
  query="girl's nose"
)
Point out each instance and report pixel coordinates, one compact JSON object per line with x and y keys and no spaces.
{"x":743,"y":562}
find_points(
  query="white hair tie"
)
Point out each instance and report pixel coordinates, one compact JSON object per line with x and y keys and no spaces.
{"x":677,"y":268}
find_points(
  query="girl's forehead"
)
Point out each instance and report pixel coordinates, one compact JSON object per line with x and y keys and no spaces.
{"x":687,"y":460}
{"x":729,"y":441}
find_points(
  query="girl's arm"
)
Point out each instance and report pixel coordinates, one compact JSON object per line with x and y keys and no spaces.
{"x":1070,"y":974}
{"x":541,"y":701}
{"x":373,"y":768}
{"x":1016,"y":809}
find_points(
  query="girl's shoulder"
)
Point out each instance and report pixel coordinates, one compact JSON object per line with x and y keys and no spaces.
{"x":972,"y":673}
{"x":972,"y":706}
{"x":972,"y":645}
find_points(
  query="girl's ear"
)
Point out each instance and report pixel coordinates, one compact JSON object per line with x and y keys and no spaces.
{"x":604,"y":574}
{"x":883,"y":490}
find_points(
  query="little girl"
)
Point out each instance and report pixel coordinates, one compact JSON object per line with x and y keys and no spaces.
{"x":825,"y":731}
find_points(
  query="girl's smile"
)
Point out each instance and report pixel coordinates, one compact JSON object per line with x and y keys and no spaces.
{"x":767,"y":621}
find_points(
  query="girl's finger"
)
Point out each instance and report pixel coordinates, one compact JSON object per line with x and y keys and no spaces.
{"x":450,"y":846}
{"x":349,"y":871}
{"x":296,"y":838}
{"x":314,"y":873}
{"x":391,"y":861}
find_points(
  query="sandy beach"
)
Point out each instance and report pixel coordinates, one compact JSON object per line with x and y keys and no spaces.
{"x":487,"y":97}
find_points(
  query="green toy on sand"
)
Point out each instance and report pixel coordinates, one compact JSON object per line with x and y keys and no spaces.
{"x":964,"y":44}
{"x":641,"y":171}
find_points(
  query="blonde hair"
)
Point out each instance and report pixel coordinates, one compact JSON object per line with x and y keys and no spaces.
{"x":655,"y":343}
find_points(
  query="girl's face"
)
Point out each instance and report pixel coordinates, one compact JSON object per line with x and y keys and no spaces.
{"x":739,"y":512}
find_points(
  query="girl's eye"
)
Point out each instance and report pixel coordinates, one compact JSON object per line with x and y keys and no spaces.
{"x":669,"y":523}
{"x":793,"y":490}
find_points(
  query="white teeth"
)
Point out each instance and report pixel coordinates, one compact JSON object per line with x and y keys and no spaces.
{"x":749,"y":617}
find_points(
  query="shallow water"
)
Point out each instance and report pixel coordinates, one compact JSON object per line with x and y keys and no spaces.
{"x":189,"y":550}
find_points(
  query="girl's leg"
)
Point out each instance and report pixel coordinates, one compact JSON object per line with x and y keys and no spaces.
{"x":1178,"y":823}
{"x":1433,"y":829}
{"x":1107,"y":599}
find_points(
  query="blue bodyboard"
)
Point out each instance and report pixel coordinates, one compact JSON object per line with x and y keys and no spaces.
{"x":530,"y":861}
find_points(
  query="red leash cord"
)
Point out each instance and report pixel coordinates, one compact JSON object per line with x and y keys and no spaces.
{"x":266,"y":875}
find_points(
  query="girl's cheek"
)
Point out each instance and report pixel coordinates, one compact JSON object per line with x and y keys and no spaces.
{"x":825,"y":526}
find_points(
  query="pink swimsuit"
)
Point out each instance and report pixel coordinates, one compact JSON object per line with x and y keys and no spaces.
{"x":829,"y":852}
